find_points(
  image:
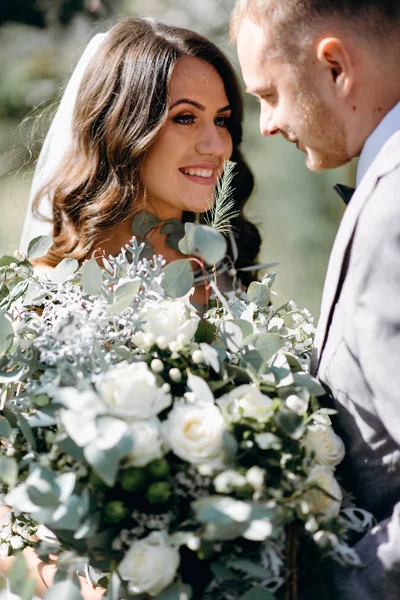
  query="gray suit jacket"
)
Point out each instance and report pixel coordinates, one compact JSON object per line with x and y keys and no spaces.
{"x":358,"y":358}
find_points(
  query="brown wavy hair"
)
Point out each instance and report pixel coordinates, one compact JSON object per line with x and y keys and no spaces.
{"x":121,"y":107}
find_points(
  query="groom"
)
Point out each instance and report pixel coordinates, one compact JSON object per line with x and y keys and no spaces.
{"x":327,"y":74}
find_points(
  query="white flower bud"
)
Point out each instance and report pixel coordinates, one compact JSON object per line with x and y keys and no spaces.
{"x":197,"y":357}
{"x":175,"y":375}
{"x":255,"y":477}
{"x":157,"y":365}
{"x":162,"y":342}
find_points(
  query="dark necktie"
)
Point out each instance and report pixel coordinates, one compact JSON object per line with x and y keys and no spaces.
{"x":345,"y":192}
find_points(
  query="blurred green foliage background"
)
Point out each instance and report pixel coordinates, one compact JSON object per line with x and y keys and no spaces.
{"x":40,"y":41}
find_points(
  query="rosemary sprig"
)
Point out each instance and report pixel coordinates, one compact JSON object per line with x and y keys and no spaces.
{"x":223,"y":209}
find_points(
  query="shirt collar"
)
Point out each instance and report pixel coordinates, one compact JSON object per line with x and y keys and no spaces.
{"x":386,"y":128}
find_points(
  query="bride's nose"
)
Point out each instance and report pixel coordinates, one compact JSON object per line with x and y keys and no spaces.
{"x":211,"y":141}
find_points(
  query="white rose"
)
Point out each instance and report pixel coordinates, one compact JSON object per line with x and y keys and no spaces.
{"x":132,"y":389}
{"x":147,"y":442}
{"x":172,"y":321}
{"x":246,"y":401}
{"x":325,"y":444}
{"x":150,"y":565}
{"x":195,"y":433}
{"x":320,"y":502}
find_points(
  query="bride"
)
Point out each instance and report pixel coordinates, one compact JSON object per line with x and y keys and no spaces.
{"x":156,"y":112}
{"x":146,"y":122}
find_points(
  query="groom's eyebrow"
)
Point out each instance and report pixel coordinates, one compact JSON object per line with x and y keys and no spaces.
{"x":197,"y":105}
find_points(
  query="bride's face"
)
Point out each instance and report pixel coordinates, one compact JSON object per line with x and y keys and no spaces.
{"x":183,"y":166}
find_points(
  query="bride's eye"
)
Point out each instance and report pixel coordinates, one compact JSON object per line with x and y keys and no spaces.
{"x":184,"y":119}
{"x":222,"y":121}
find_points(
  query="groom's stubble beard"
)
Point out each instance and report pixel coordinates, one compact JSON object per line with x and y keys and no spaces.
{"x":319,"y":132}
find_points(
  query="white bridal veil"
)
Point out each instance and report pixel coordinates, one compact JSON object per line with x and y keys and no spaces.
{"x":55,"y":145}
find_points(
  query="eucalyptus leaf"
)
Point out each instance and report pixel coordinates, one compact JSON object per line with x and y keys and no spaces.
{"x":39,"y":246}
{"x":5,"y":429}
{"x":211,"y":244}
{"x":306,"y":380}
{"x":6,"y":334}
{"x":35,"y":293}
{"x":187,"y":244}
{"x":267,"y":344}
{"x":289,"y":422}
{"x":143,"y":222}
{"x":123,"y":296}
{"x":19,"y":580}
{"x":8,"y":471}
{"x":92,"y":279}
{"x":231,"y":334}
{"x":258,"y":593}
{"x":177,"y":591}
{"x":64,"y":270}
{"x":177,"y":278}
{"x":175,"y":230}
{"x":259,"y":293}
{"x":211,"y":356}
{"x":6,"y":261}
{"x":25,"y":429}
{"x":104,"y":462}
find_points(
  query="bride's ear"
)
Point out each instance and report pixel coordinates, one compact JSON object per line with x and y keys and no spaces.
{"x":335,"y":57}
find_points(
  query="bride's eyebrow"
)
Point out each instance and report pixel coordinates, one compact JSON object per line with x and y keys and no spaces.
{"x":197,"y":105}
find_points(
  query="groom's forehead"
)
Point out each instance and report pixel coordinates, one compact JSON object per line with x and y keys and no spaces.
{"x":257,"y":55}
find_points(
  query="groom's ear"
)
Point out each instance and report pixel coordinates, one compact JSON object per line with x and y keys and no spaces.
{"x":334,"y":56}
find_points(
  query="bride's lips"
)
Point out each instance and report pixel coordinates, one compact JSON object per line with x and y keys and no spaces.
{"x":202,"y":173}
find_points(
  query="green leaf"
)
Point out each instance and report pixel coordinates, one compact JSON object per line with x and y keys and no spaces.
{"x":6,"y":261}
{"x":92,"y":279}
{"x":206,"y":332}
{"x":123,"y":296}
{"x":39,"y":246}
{"x":34,"y":294}
{"x":177,"y":591}
{"x":210,"y":244}
{"x":211,"y":356}
{"x":187,"y":244}
{"x":231,"y":334}
{"x":267,"y":344}
{"x":259,"y":293}
{"x":312,"y":385}
{"x":177,"y":279}
{"x":6,"y":334}
{"x":64,"y":269}
{"x":8,"y":471}
{"x":20,"y":582}
{"x":268,"y":441}
{"x":25,"y":429}
{"x":258,"y":593}
{"x":175,"y":230}
{"x":63,"y":590}
{"x":5,"y":429}
{"x":250,"y":568}
{"x":104,"y":462}
{"x":289,"y":422}
{"x":143,"y":222}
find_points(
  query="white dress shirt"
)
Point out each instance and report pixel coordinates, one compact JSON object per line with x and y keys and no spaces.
{"x":386,"y":128}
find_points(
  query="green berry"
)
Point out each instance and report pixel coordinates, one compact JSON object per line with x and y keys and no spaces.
{"x":115,"y":512}
{"x":158,"y":469}
{"x":96,"y":482}
{"x":133,"y":480}
{"x":158,"y":492}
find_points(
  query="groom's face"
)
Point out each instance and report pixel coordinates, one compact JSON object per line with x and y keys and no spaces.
{"x":291,"y":102}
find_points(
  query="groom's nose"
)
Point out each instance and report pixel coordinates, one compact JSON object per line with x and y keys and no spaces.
{"x":267,"y":123}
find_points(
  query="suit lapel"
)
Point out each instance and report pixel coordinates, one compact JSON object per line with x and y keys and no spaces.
{"x":385,"y":162}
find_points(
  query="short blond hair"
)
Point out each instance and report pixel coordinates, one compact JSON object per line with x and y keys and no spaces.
{"x":297,"y":22}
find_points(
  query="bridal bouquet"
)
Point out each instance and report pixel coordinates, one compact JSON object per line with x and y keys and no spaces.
{"x":158,"y":452}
